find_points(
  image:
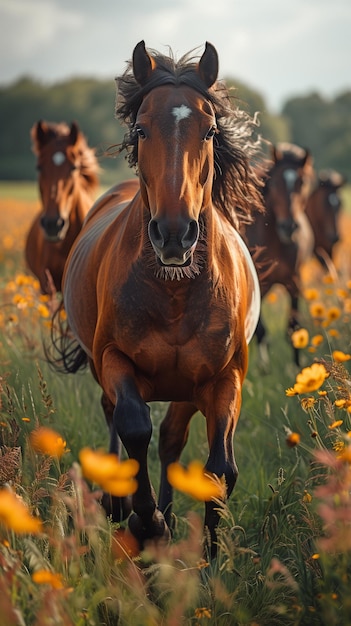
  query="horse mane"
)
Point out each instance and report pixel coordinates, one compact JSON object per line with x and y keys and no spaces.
{"x":88,"y":163}
{"x":236,"y":186}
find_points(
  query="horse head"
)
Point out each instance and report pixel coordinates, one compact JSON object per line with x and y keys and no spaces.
{"x":174,"y":127}
{"x":58,"y":164}
{"x":323,"y":209}
{"x":284,"y":188}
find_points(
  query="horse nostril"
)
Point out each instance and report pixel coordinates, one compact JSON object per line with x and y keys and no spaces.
{"x":155,"y":234}
{"x":191,"y":234}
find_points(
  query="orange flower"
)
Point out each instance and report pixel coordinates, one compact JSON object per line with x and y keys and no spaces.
{"x":46,"y":577}
{"x":340,"y":356}
{"x":47,"y":441}
{"x":15,"y":515}
{"x":300,"y":338}
{"x":333,"y":314}
{"x":293,"y":439}
{"x":317,"y":309}
{"x":195,"y":481}
{"x":114,"y":476}
{"x":309,"y":379}
{"x":311,"y":294}
{"x":335,"y":424}
{"x":316,"y":340}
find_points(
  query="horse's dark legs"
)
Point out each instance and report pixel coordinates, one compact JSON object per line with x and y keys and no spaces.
{"x":132,"y":423}
{"x":221,"y":462}
{"x":118,"y":508}
{"x":174,"y":432}
{"x":261,"y":336}
{"x":293,"y":324}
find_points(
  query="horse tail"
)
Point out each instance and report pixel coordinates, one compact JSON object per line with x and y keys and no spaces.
{"x":64,"y":354}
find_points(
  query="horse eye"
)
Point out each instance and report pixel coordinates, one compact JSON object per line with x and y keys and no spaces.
{"x":139,"y":131}
{"x":211,"y":133}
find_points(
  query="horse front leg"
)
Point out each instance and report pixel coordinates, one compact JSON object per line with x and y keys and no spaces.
{"x":131,"y":422}
{"x":119,"y":508}
{"x":174,"y":431}
{"x":222,"y":414}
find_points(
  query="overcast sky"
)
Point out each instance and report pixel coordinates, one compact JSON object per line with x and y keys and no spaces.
{"x":281,"y":48}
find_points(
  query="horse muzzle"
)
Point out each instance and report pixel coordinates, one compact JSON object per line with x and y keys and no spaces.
{"x":285,"y":230}
{"x":55,"y":228}
{"x":174,"y":247}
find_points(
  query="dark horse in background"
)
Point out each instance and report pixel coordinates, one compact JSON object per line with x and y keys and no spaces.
{"x":160,"y":290}
{"x":283,"y":234}
{"x":68,"y":181}
{"x":323,"y":211}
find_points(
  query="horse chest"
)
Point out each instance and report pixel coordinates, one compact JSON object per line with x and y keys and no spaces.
{"x":176,"y":329}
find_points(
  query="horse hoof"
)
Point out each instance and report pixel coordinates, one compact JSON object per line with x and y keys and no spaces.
{"x":116,"y":508}
{"x":155,"y":529}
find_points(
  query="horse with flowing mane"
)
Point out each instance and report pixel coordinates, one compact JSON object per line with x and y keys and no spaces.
{"x":160,"y":290}
{"x":283,"y":234}
{"x":323,"y":211}
{"x":68,"y":181}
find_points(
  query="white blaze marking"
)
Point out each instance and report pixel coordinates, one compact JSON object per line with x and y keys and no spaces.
{"x":290,"y":177}
{"x":58,"y":158}
{"x":181,"y":113}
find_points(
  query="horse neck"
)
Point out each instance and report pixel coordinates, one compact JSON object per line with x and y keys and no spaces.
{"x":83,"y":198}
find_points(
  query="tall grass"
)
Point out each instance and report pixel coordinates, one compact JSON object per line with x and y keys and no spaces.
{"x":284,"y":543}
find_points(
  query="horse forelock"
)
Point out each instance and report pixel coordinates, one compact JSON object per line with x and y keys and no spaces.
{"x":236,"y":188}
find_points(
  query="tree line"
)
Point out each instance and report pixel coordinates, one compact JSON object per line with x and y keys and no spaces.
{"x":312,"y":121}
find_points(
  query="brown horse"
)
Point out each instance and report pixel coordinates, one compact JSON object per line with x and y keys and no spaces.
{"x":283,"y":233}
{"x":68,"y":180}
{"x":323,"y":211}
{"x":159,"y":289}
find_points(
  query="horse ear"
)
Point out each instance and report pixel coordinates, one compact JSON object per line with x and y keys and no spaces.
{"x":40,"y":133}
{"x":276,"y":154}
{"x":74,"y":131}
{"x":208,"y":65}
{"x":307,"y":157}
{"x":143,"y":64}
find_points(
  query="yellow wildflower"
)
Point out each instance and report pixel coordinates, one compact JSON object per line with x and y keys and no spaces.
{"x":333,"y":314}
{"x":340,"y":403}
{"x":317,"y":309}
{"x":291,"y":391}
{"x":43,"y":310}
{"x":272,"y":297}
{"x":307,"y":403}
{"x":345,"y":454}
{"x":15,"y":515}
{"x":293,"y":439}
{"x":306,"y":497}
{"x":112,"y":475}
{"x":340,"y":356}
{"x":310,"y":378}
{"x":47,"y":441}
{"x":333,"y":332}
{"x":335,"y":424}
{"x":311,"y":294}
{"x":46,"y":577}
{"x":300,"y":338}
{"x":195,"y":482}
{"x":328,"y":279}
{"x":316,"y":340}
{"x":203,"y":612}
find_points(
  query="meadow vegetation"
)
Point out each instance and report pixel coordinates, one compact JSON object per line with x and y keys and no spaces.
{"x":285,"y":535}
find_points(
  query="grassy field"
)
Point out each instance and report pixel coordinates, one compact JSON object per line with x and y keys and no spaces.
{"x":285,"y":534}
